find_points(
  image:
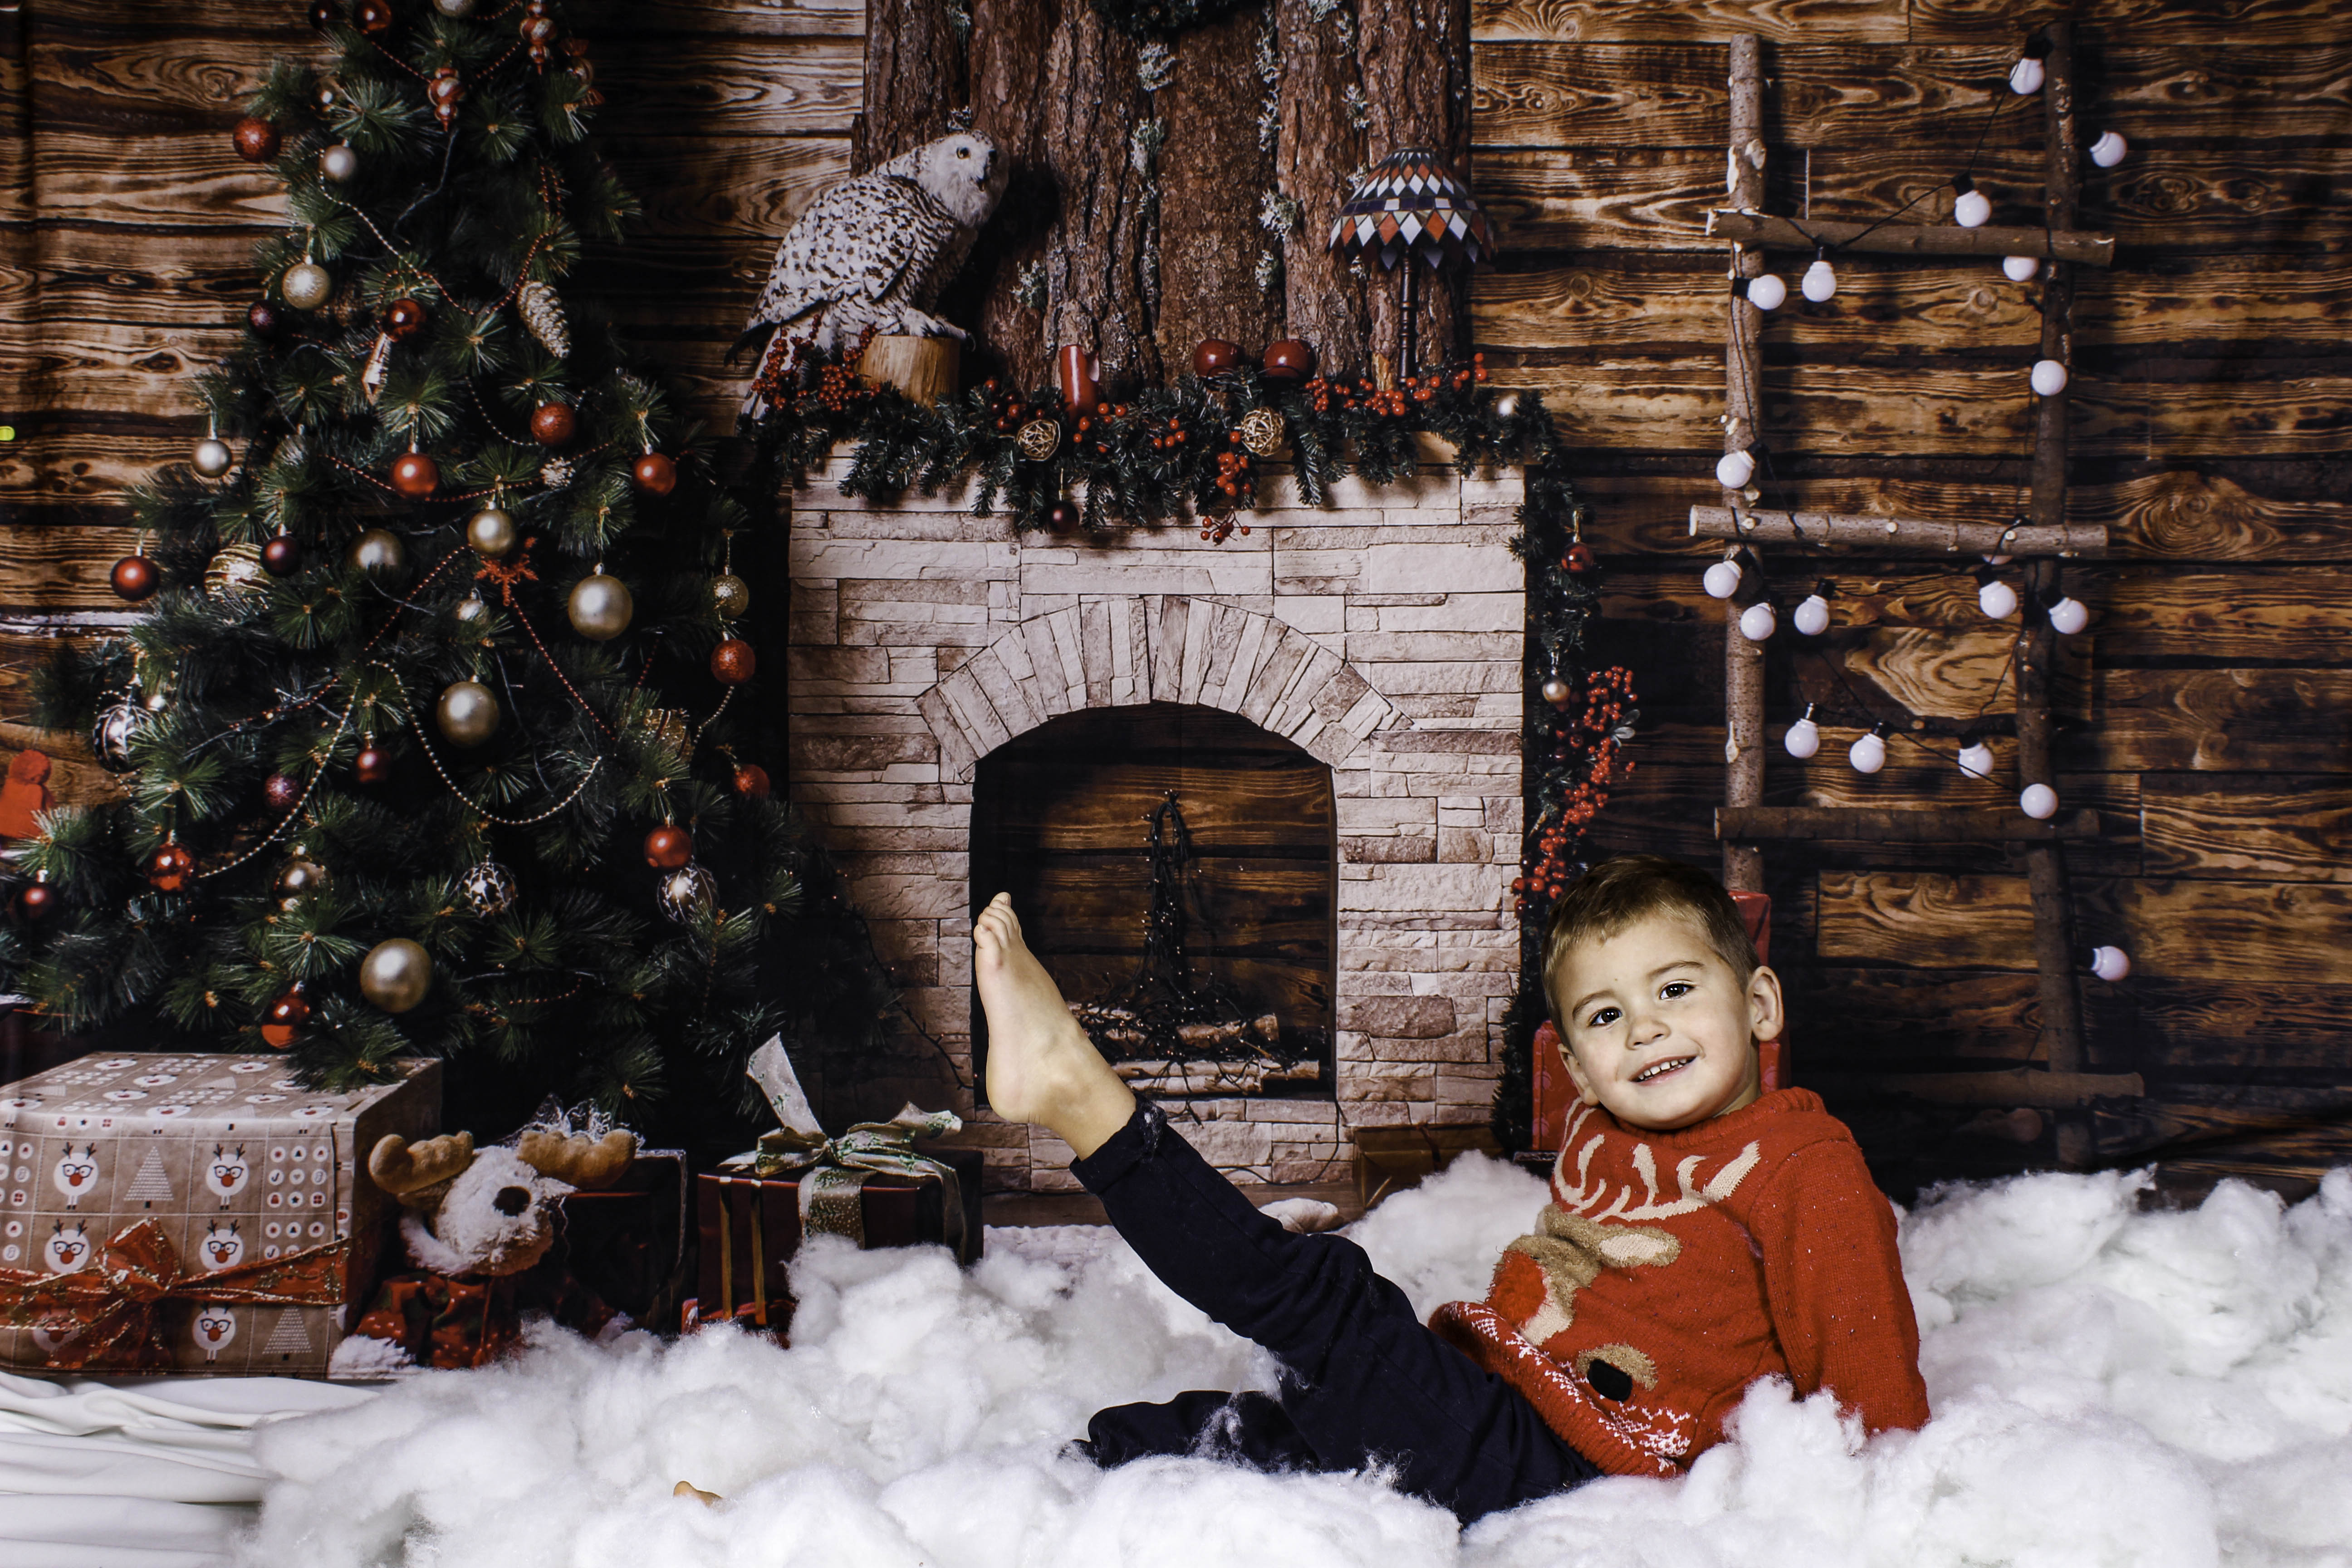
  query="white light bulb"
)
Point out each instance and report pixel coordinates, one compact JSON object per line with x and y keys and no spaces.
{"x":2110,"y":963}
{"x":1820,"y":281}
{"x":2025,"y":76}
{"x":1734,"y":470}
{"x":2020,"y":269}
{"x":1976,"y":760}
{"x":1722,"y":579}
{"x":1972,"y":210}
{"x":1868,"y":754}
{"x":2068,"y":616}
{"x":1812,"y":616}
{"x":1997,"y":599}
{"x":2038,"y":800}
{"x":2109,"y":150}
{"x":1758,"y":622}
{"x":1766,"y":292}
{"x":1804,"y":738}
{"x":2049,"y":377}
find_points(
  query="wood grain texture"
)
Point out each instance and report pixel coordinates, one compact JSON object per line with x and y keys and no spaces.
{"x":1707,"y":21}
{"x":2269,"y":827}
{"x":2190,"y":24}
{"x":2287,"y":721}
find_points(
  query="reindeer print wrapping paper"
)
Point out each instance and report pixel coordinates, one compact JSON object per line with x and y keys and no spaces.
{"x":233,"y":1160}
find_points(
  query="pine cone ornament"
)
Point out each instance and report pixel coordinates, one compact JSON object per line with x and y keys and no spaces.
{"x":542,"y":312}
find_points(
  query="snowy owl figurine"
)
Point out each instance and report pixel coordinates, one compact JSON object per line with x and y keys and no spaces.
{"x":874,"y":251}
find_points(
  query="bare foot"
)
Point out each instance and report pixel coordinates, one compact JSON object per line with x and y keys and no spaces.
{"x":1041,"y":1066}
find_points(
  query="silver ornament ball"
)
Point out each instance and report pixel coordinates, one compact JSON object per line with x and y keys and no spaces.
{"x":730,"y":596}
{"x":300,"y":879}
{"x":396,"y":975}
{"x":491,"y":531}
{"x":379,"y":552}
{"x":599,"y":607}
{"x":213,"y":457}
{"x":472,"y":612}
{"x":109,"y":737}
{"x":306,"y":285}
{"x":488,"y":887}
{"x":687,"y":893}
{"x":454,"y":8}
{"x":467,"y":713}
{"x":339,"y":163}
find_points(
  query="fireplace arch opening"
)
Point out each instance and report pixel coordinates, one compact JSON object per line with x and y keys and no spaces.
{"x":1061,"y":819}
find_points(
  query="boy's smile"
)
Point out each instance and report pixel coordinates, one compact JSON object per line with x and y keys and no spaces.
{"x":1658,"y":1029}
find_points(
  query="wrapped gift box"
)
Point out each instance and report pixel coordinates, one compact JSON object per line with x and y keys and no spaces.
{"x":192,"y":1214}
{"x":625,"y":1243}
{"x":747,"y":1227}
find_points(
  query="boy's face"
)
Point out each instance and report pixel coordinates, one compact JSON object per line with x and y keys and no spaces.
{"x":1657,"y":1028}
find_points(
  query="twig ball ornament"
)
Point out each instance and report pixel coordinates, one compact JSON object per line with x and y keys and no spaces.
{"x":36,"y":899}
{"x":339,"y":163}
{"x":134,"y":578}
{"x":396,"y":975}
{"x":170,"y":868}
{"x":379,"y":552}
{"x":373,"y":765}
{"x":211,"y":458}
{"x":281,"y":791}
{"x":1063,"y":516}
{"x":686,"y":893}
{"x":654,"y":474}
{"x":467,"y":713}
{"x":256,"y":140}
{"x":416,"y":476}
{"x":730,"y":596}
{"x":284,"y":1021}
{"x":668,"y":846}
{"x":553,"y":423}
{"x":489,"y":888}
{"x":306,"y":285}
{"x":599,"y":607}
{"x":265,"y":319}
{"x":1559,"y":693}
{"x":2020,"y":269}
{"x":2049,"y":377}
{"x":1261,"y":432}
{"x":1289,"y":358}
{"x":751,"y":781}
{"x":111,"y":734}
{"x":1037,"y":439}
{"x":2038,"y":800}
{"x":1215,"y":356}
{"x":300,"y":879}
{"x":404,"y":319}
{"x":492,"y":533}
{"x":236,"y":569}
{"x":732,"y":662}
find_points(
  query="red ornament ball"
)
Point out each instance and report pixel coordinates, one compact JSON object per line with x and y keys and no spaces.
{"x":667,"y":848}
{"x":655,"y":474}
{"x":322,"y":14}
{"x":1290,"y":360}
{"x":256,"y":141}
{"x":1215,"y":356}
{"x":171,"y":867}
{"x":135,"y":578}
{"x":36,"y":900}
{"x":372,"y":765}
{"x":282,"y":791}
{"x":265,"y":319}
{"x":1063,"y":516}
{"x":373,"y":15}
{"x":416,"y":476}
{"x":751,"y":781}
{"x":732,"y":662}
{"x":1580,"y":558}
{"x":403,"y":320}
{"x":553,"y":423}
{"x":283,"y":1019}
{"x":281,"y":557}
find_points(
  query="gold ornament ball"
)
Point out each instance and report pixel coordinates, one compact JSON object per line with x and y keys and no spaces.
{"x":1037,"y":439}
{"x":306,"y":285}
{"x":237,"y":568}
{"x":491,"y":531}
{"x":379,"y":552}
{"x":339,"y":163}
{"x":213,"y":457}
{"x":730,"y":596}
{"x":467,"y":713}
{"x":302,"y":879}
{"x":396,"y":975}
{"x":599,"y":607}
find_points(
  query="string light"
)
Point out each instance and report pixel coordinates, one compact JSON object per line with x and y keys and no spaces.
{"x":1765,"y":292}
{"x":2038,"y":800}
{"x":1805,"y":737}
{"x":2069,"y":616}
{"x":1868,"y":754}
{"x":1734,"y":470}
{"x":1976,"y":757}
{"x":1758,"y":622}
{"x":1812,"y":616}
{"x":2110,"y":963}
{"x":1722,"y":579}
{"x":1995,"y":597}
{"x":2027,"y":75}
{"x":1971,"y":208}
{"x":1820,"y":282}
{"x":2049,"y":377}
{"x":2109,"y":149}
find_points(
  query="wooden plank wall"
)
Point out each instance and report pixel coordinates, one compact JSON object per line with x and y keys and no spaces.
{"x":2206,"y":709}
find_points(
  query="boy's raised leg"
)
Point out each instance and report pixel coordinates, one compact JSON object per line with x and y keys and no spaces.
{"x":1041,"y":1066}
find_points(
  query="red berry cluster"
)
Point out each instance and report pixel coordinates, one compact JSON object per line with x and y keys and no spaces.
{"x":1172,"y":439}
{"x":1008,"y":414}
{"x":1607,"y":699}
{"x":1237,"y":480}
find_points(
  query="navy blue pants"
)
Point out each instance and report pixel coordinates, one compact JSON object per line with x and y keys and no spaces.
{"x":1365,"y":1382}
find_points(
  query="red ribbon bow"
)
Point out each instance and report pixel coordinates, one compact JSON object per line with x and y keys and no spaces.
{"x":115,"y":1305}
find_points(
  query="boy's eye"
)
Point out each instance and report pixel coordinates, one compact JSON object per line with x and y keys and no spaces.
{"x":1602,"y":1019}
{"x":1673,"y":988}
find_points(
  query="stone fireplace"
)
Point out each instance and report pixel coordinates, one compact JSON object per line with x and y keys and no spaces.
{"x":1381,"y":634}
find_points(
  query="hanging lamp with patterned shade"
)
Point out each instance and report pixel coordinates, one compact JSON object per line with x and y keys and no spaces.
{"x":1410,"y":204}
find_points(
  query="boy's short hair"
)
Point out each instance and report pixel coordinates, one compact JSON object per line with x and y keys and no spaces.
{"x":1619,"y":891}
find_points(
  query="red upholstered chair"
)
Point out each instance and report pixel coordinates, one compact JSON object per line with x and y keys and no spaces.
{"x":1556,"y":1092}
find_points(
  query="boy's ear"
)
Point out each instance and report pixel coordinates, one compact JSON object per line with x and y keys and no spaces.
{"x":1767,"y":1015}
{"x":1576,"y":1069}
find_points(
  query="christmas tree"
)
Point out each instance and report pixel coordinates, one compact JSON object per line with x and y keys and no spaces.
{"x":429,"y":726}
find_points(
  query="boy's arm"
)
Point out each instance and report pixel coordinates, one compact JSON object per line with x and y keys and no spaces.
{"x":1833,"y":1284}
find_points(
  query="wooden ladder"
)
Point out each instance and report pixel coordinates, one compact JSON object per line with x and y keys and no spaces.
{"x":2044,"y":538}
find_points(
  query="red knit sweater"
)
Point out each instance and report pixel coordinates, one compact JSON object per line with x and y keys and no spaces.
{"x":1672,"y":1269}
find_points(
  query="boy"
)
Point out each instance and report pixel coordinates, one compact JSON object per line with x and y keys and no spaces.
{"x":1701,"y":1234}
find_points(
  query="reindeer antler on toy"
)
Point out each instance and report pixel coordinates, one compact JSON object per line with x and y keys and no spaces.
{"x":576,"y":1159}
{"x":416,"y":1172}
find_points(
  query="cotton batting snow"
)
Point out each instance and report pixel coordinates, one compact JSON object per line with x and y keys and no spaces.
{"x":2160,"y":1389}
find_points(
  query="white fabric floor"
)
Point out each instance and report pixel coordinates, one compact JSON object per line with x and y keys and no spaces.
{"x":2110,"y":1387}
